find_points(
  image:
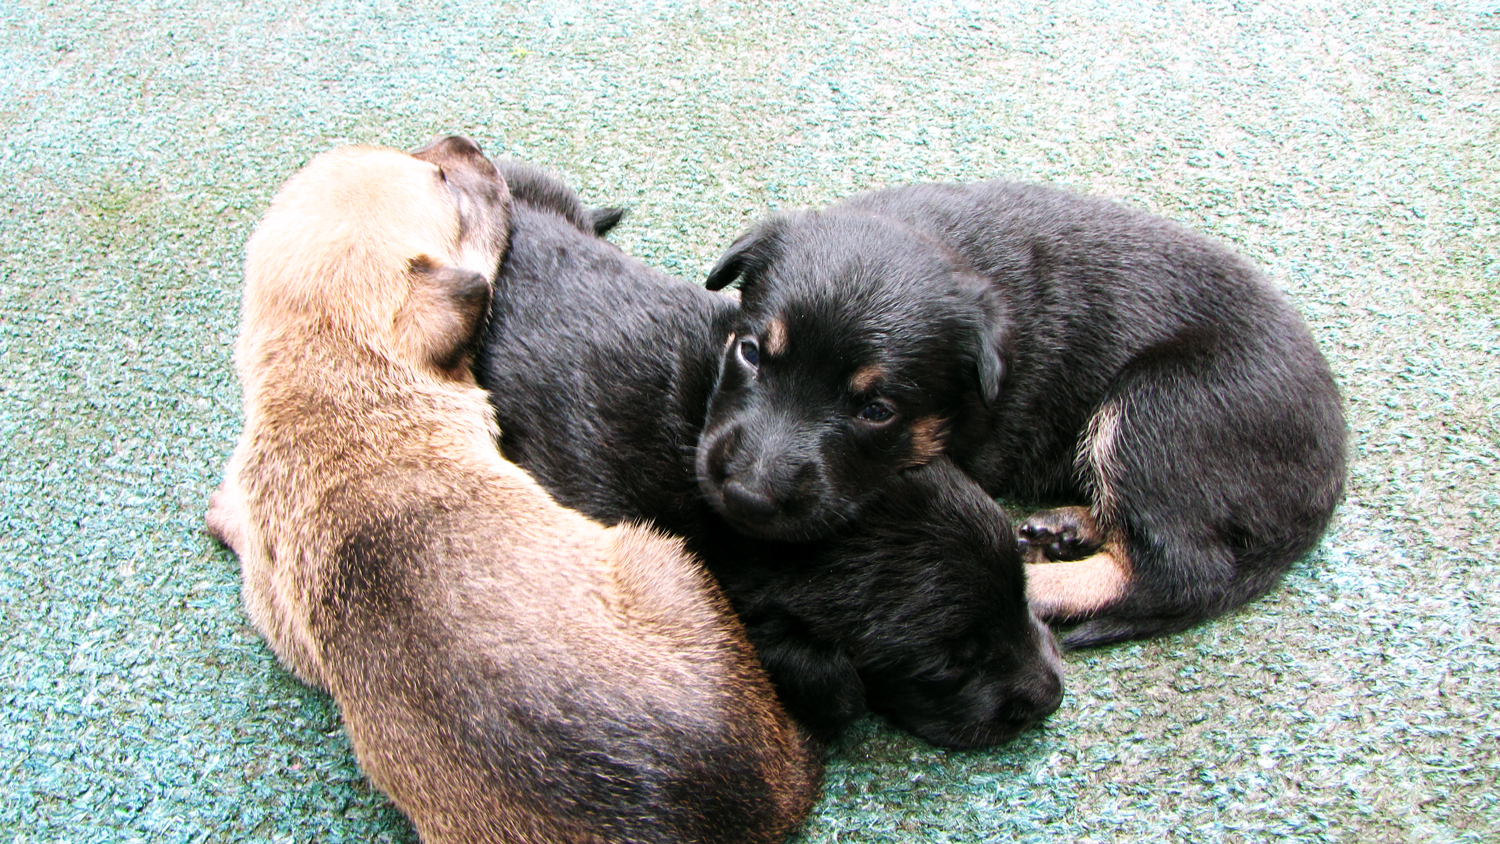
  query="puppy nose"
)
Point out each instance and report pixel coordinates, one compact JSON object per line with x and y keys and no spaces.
{"x":1043,"y":699}
{"x":744,"y":500}
{"x":1045,"y":693}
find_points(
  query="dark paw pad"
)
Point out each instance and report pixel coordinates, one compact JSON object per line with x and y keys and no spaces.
{"x":1067,"y":533}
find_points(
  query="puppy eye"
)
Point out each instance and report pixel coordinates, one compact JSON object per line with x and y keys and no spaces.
{"x":750,"y":352}
{"x":877,"y":412}
{"x":442,"y":175}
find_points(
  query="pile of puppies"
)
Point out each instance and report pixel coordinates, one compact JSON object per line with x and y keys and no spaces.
{"x":525,"y":660}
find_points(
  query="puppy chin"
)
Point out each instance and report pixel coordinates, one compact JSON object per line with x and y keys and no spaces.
{"x":786,"y":530}
{"x":992,"y":713}
{"x":788,"y":524}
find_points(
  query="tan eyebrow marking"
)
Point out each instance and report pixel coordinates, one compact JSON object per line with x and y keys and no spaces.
{"x":774,"y":338}
{"x":865,"y":379}
{"x":929,"y":435}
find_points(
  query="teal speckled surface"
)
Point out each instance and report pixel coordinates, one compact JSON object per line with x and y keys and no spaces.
{"x":1349,"y":148}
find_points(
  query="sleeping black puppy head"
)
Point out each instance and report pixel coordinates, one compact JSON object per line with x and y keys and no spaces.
{"x":858,"y":339}
{"x":920,"y":615}
{"x":927,"y":602}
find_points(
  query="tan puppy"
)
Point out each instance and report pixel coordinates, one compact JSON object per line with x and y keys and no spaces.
{"x":507,"y":669}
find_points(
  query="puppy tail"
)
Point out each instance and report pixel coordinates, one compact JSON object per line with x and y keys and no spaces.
{"x":1107,"y":631}
{"x":604,"y":219}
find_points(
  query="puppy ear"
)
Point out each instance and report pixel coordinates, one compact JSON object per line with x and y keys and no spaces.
{"x":441,"y":321}
{"x":991,"y":367}
{"x":604,"y":219}
{"x":747,"y":256}
{"x":991,"y":333}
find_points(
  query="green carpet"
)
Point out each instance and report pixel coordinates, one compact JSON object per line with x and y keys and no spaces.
{"x":1350,"y":149}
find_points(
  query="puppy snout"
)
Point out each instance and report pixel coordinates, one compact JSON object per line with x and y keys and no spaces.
{"x":1040,"y":697}
{"x":749,"y":500}
{"x":1032,"y":695}
{"x":1044,"y":693}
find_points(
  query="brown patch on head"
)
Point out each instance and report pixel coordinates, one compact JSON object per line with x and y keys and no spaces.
{"x":929,"y":436}
{"x":773,"y":339}
{"x":865,"y":379}
{"x":484,"y":209}
{"x":1082,"y":588}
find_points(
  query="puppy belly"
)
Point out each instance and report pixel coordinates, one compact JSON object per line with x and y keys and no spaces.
{"x":1080,"y":588}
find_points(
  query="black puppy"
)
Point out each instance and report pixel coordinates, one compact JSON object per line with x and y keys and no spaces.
{"x":1056,"y":348}
{"x":919,"y":611}
{"x":600,"y":371}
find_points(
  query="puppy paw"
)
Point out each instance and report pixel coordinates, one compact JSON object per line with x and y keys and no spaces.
{"x":1060,"y":535}
{"x":223,"y":520}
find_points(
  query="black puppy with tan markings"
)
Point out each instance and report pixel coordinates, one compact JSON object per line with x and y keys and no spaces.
{"x":600,"y":370}
{"x":1057,"y":348}
{"x":507,"y":669}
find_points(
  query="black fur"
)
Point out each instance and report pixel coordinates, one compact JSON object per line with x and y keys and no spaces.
{"x":1014,"y":314}
{"x":600,"y":371}
{"x":919,"y":613}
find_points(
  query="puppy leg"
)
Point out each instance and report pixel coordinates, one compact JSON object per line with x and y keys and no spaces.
{"x":225,"y":519}
{"x":1077,"y":563}
{"x":1074,"y":568}
{"x":1208,"y":481}
{"x":1060,"y":592}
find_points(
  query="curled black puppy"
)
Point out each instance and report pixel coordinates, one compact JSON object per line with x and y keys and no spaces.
{"x":1057,"y":348}
{"x":600,"y":371}
{"x":917,"y":612}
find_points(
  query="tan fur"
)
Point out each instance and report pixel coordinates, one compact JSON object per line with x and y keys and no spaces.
{"x":929,"y":434}
{"x":1079,"y":588}
{"x":392,"y":557}
{"x":1096,"y":461}
{"x":865,"y":379}
{"x":775,"y":339}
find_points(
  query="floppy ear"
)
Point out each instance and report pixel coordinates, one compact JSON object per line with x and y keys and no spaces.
{"x":441,"y":321}
{"x":604,"y":219}
{"x":747,"y":256}
{"x":991,"y":331}
{"x":991,"y":367}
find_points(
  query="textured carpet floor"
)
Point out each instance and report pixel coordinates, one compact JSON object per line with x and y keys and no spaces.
{"x":1350,"y":148}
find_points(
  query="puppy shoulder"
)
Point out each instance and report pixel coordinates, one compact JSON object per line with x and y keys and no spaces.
{"x":658,"y":576}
